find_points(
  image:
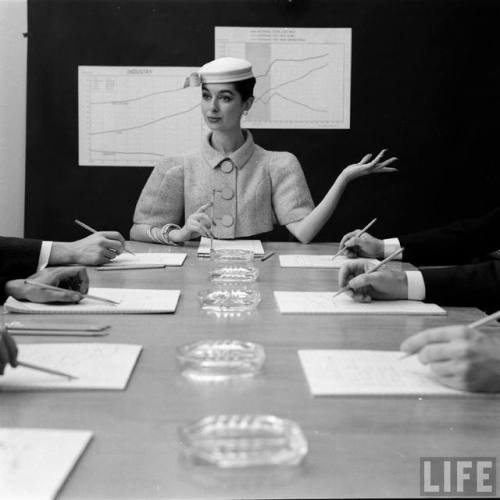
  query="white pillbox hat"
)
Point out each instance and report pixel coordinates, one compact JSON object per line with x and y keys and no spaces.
{"x":222,"y":70}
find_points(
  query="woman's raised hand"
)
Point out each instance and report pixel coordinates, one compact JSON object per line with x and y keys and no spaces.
{"x":368,"y":166}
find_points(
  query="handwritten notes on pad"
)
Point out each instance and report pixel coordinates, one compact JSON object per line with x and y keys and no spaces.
{"x":34,"y":463}
{"x":323,"y":303}
{"x":143,"y":260}
{"x":360,"y":372}
{"x":319,"y":261}
{"x":254,"y":246}
{"x":97,"y":366}
{"x":132,"y":301}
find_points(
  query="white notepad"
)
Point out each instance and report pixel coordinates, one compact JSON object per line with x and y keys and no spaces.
{"x":253,"y":245}
{"x":34,"y":463}
{"x":323,"y":303}
{"x":319,"y":261}
{"x":143,"y":260}
{"x":132,"y":301}
{"x":97,"y":366}
{"x":360,"y":372}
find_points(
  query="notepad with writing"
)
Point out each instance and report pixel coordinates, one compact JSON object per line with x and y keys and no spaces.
{"x":253,"y":245}
{"x":34,"y":463}
{"x":318,"y":261}
{"x":97,"y":366}
{"x":143,"y":260}
{"x":132,"y":301}
{"x":361,"y":372}
{"x":324,"y":303}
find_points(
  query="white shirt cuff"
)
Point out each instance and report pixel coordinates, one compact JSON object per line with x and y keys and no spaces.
{"x":43,"y":260}
{"x":416,"y":285}
{"x":390,"y":246}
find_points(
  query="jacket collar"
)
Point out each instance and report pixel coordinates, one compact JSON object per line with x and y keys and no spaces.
{"x":239,"y":157}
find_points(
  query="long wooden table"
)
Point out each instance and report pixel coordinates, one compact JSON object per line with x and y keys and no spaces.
{"x":358,"y":446}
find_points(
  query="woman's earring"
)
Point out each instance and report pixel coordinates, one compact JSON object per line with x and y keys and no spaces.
{"x":245,"y":112}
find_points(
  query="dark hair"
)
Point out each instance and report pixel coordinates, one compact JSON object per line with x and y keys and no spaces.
{"x":245,"y":88}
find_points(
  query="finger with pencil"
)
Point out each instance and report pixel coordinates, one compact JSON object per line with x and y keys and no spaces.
{"x":53,"y":284}
{"x":8,"y":356}
{"x":364,"y":280}
{"x":459,"y":356}
{"x":347,"y":249}
{"x":360,"y":243}
{"x":100,"y":247}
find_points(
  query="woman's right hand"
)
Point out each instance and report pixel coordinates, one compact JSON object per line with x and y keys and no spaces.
{"x":197,"y":224}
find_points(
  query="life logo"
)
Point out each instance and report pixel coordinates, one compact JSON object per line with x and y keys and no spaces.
{"x":458,"y":476}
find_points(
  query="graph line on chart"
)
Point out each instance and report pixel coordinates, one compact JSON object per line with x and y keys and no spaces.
{"x":152,"y":122}
{"x":131,"y":116}
{"x":277,"y":94}
{"x":290,"y":60}
{"x":152,"y":94}
{"x":290,"y":81}
{"x":311,"y":89}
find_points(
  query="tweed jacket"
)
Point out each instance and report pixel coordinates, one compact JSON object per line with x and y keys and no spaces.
{"x":252,"y":189}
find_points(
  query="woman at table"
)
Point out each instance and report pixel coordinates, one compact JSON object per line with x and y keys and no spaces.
{"x":247,"y":188}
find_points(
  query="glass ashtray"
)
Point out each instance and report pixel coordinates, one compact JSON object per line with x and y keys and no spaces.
{"x":220,"y":359}
{"x":234,"y":441}
{"x":229,"y":264}
{"x":229,"y":298}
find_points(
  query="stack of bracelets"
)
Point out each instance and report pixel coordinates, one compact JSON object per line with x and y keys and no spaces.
{"x":161,"y":235}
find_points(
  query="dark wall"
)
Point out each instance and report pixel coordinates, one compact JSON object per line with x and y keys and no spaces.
{"x":425,"y":83}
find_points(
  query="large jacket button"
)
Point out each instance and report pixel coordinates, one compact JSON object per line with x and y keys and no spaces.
{"x":227,"y":220}
{"x":226,"y":166}
{"x":227,"y":193}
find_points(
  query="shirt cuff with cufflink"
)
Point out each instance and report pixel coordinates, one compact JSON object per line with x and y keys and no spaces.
{"x":43,"y":260}
{"x":416,"y":285}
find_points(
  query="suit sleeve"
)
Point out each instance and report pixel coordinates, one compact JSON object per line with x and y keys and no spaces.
{"x":18,"y":259}
{"x":3,"y":295}
{"x":456,"y":243}
{"x":19,"y":256}
{"x":473,"y":285}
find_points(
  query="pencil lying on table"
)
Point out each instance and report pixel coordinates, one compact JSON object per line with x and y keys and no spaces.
{"x":45,"y":370}
{"x":266,"y":256}
{"x":58,"y":289}
{"x":372,"y":270}
{"x":92,"y":230}
{"x":13,"y":326}
{"x":363,"y":231}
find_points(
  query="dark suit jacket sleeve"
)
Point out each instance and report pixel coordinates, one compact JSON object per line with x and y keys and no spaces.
{"x":3,"y":295}
{"x":18,"y":259}
{"x":457,"y":243}
{"x":18,"y":256}
{"x":473,"y":285}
